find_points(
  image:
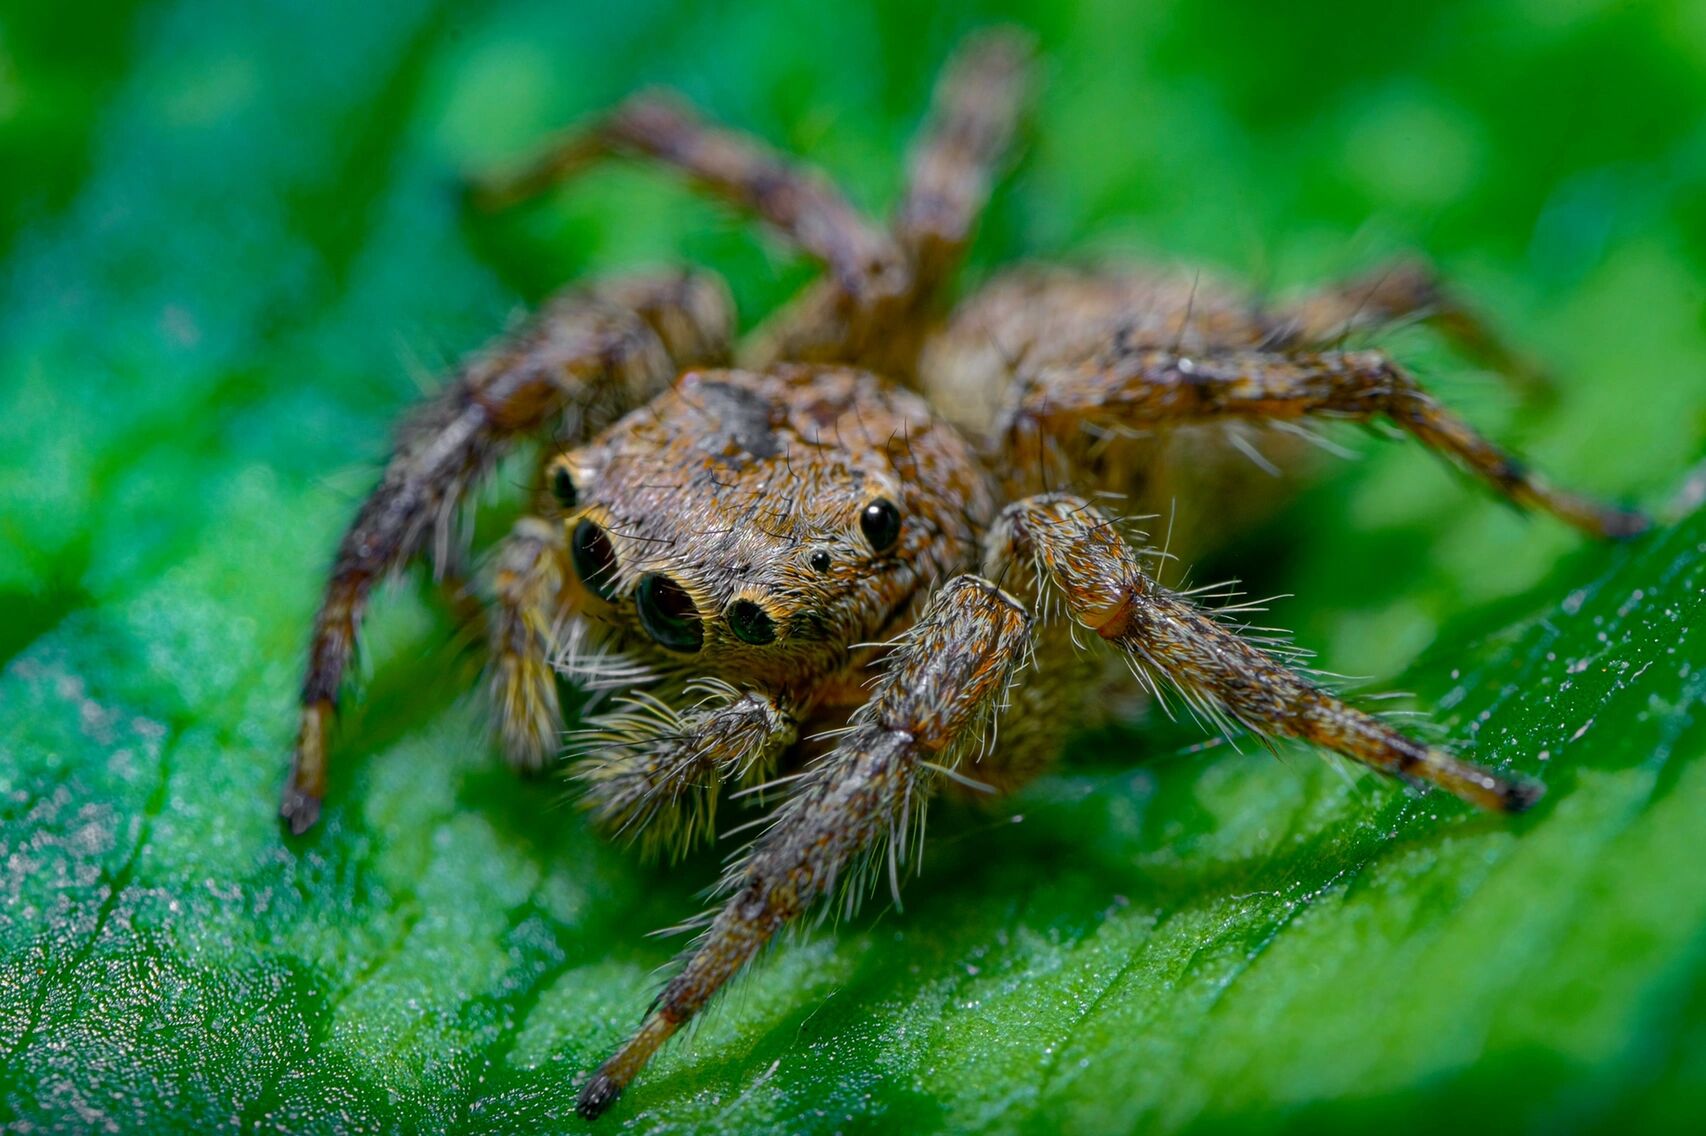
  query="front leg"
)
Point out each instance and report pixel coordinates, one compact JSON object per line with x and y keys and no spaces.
{"x":1056,"y":547}
{"x":651,"y":772}
{"x":590,"y":355}
{"x":944,"y":683}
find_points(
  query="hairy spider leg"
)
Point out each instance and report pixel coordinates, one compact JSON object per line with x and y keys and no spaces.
{"x":651,"y":773}
{"x":1406,"y":289}
{"x":1056,"y":550}
{"x":881,"y":285}
{"x":1132,"y":385}
{"x":959,"y":150}
{"x":531,"y":608}
{"x":951,"y":168}
{"x":802,"y":204}
{"x":587,"y":357}
{"x":930,"y":710}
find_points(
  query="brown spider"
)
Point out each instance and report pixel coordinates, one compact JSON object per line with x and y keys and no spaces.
{"x":849,"y":556}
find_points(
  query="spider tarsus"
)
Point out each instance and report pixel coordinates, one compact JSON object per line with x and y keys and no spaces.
{"x":1518,"y":796}
{"x":299,"y":809}
{"x":598,"y":1095}
{"x":1624,"y":524}
{"x":300,"y":805}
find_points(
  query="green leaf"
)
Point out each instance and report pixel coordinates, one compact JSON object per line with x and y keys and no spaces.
{"x":239,"y":243}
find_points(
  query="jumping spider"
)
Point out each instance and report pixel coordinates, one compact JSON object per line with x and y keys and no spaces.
{"x":848,"y":554}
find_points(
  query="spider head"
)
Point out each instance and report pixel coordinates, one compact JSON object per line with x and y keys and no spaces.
{"x":756,"y":527}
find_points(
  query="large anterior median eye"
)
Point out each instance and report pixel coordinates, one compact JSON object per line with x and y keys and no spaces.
{"x":594,"y":560}
{"x":668,"y":613}
{"x":751,"y":623}
{"x":880,"y":522}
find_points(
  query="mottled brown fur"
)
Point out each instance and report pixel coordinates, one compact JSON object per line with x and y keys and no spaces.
{"x":775,"y":561}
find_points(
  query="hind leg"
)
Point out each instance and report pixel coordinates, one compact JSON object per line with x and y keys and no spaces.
{"x":1131,"y":387}
{"x":952,"y":165}
{"x":1407,"y":289}
{"x":799,"y":203}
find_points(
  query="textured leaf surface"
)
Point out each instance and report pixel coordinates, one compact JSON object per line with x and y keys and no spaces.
{"x":236,"y":246}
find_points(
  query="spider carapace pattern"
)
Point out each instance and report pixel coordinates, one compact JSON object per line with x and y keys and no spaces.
{"x":858,"y":557}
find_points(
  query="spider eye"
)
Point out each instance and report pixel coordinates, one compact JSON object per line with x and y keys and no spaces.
{"x":563,"y":487}
{"x":594,"y":560}
{"x":668,"y":614}
{"x":750,"y":623}
{"x":880,"y":522}
{"x":820,"y":561}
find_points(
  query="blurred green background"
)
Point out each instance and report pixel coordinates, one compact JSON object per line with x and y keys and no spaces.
{"x":230,"y":252}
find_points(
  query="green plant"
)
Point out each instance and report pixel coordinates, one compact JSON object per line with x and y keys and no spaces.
{"x":207,"y":280}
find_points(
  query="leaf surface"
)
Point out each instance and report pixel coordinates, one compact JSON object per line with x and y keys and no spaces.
{"x":242,"y":244}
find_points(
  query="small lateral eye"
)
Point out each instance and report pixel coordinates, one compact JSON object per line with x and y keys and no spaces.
{"x":820,"y":561}
{"x":594,"y":560}
{"x":750,"y":623}
{"x":880,"y":522}
{"x":563,"y":487}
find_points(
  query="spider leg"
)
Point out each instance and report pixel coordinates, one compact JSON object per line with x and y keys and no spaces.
{"x":531,"y":605}
{"x":956,"y":155}
{"x":944,"y":681}
{"x":1057,"y":548}
{"x":802,"y":204}
{"x":652,"y":772}
{"x":1403,"y":290}
{"x":953,"y":163}
{"x":586,"y":357}
{"x":1134,"y":385}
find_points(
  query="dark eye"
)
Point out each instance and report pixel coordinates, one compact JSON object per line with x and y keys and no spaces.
{"x":563,"y":487}
{"x":668,"y":614}
{"x":880,"y":522}
{"x":750,"y":623}
{"x":820,"y":561}
{"x":594,"y":560}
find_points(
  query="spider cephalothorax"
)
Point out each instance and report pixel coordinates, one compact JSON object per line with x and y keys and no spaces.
{"x":752,"y":526}
{"x":854,"y":552}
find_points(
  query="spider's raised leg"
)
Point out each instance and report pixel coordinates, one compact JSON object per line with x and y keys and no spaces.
{"x":802,"y":204}
{"x":957,"y":154}
{"x":952,"y":166}
{"x":588,"y":356}
{"x":1131,"y":386}
{"x":1406,"y":289}
{"x":652,"y":772}
{"x":1056,"y":547}
{"x":926,"y":713}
